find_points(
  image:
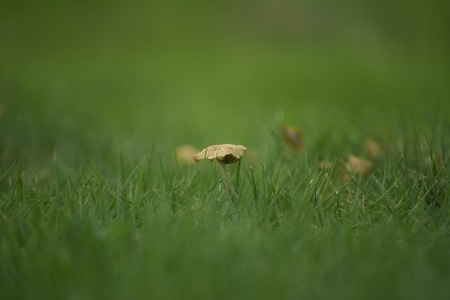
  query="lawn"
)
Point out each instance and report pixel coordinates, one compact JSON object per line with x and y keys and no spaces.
{"x":97,"y":97}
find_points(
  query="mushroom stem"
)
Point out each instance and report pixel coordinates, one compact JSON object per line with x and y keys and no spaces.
{"x":225,"y":176}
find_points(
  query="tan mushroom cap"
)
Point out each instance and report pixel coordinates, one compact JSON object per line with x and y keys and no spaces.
{"x":224,"y":153}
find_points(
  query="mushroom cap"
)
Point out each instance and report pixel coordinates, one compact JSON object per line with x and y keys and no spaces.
{"x":224,"y":153}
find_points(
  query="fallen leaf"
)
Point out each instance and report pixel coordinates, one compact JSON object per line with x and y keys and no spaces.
{"x":293,"y":136}
{"x":358,"y":166}
{"x":373,"y":149}
{"x":184,"y":154}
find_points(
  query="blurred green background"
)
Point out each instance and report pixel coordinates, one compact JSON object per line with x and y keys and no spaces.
{"x":77,"y":76}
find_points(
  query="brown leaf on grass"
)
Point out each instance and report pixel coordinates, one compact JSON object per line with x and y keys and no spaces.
{"x":373,"y":149}
{"x":357,"y":166}
{"x":293,"y":136}
{"x":224,"y":153}
{"x":184,"y":154}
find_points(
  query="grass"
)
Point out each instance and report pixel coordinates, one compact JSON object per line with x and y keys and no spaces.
{"x":162,"y":230}
{"x":95,"y":205}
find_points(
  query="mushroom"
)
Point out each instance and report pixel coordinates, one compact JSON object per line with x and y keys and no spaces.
{"x":224,"y":154}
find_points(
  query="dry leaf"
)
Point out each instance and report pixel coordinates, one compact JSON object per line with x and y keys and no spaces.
{"x":373,"y":149}
{"x":293,"y":136}
{"x":184,"y":154}
{"x":357,"y":166}
{"x":224,"y":153}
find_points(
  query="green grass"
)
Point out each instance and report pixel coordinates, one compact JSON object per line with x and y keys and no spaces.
{"x":95,"y":205}
{"x":156,"y":229}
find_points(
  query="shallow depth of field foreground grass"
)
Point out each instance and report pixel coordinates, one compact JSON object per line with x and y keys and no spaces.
{"x":95,"y":100}
{"x":155,"y":229}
